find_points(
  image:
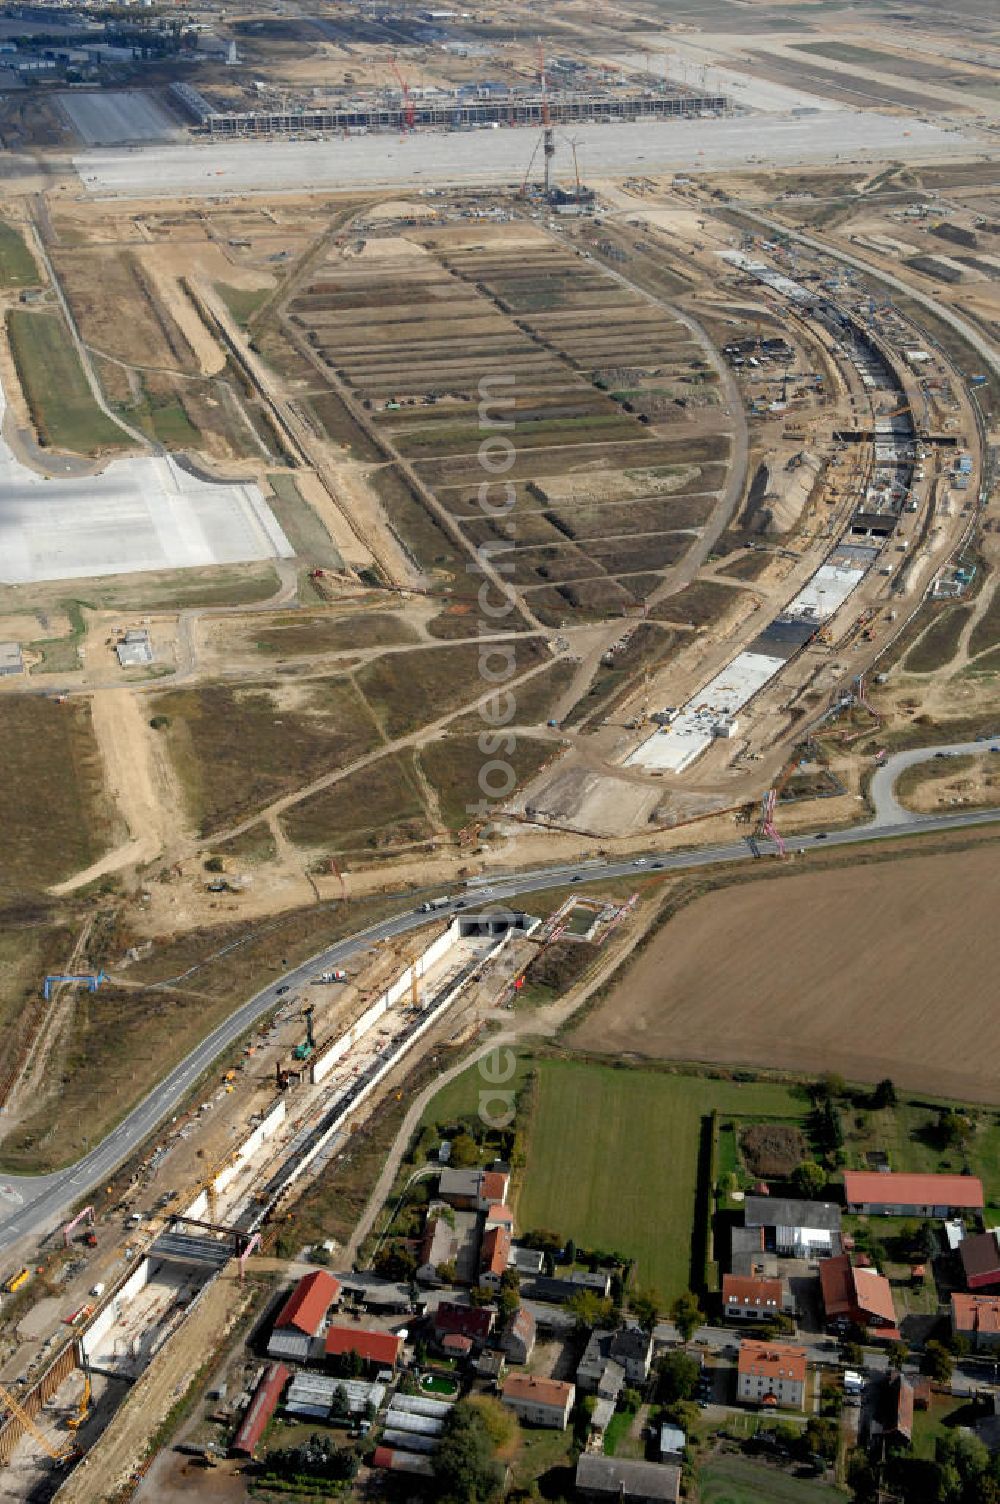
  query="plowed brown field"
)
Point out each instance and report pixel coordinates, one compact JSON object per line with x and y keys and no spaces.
{"x":883,"y":970}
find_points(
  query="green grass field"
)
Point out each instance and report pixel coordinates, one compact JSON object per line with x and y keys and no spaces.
{"x":734,"y":1480}
{"x":17,"y":265}
{"x":242,"y":302}
{"x":605,"y":1146}
{"x":62,"y":406}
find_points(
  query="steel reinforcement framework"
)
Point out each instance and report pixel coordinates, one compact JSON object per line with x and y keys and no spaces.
{"x":454,"y":113}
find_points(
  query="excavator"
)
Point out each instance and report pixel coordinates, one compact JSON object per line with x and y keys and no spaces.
{"x":305,"y":1049}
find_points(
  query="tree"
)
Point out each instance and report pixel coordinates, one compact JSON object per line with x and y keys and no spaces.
{"x":499,"y":1421}
{"x":395,"y":1262}
{"x":447,"y":1271}
{"x":829,"y":1127}
{"x":898,"y":1354}
{"x":543,"y":1238}
{"x":687,"y":1315}
{"x":937,"y":1362}
{"x":463,"y":1462}
{"x":787,"y":1435}
{"x":853,"y":1354}
{"x":821,"y":1436}
{"x":832,"y":1085}
{"x":340,"y":1405}
{"x":861,"y":1477}
{"x":569,"y":1252}
{"x":509,"y":1298}
{"x":677,"y":1375}
{"x":884,"y":1094}
{"x":214,"y":863}
{"x":464,"y":1150}
{"x":589,"y":1308}
{"x":644,"y":1306}
{"x":809,"y":1179}
{"x":953,"y":1128}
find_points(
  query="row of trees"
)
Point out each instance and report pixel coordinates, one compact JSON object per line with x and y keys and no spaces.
{"x":961,"y":1472}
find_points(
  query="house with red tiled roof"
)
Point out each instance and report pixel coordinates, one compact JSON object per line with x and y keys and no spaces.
{"x":375,"y":1349}
{"x":772,"y":1374}
{"x":887,"y":1194}
{"x":494,"y":1257}
{"x":977,"y":1317}
{"x":858,"y":1297}
{"x":300,"y":1320}
{"x":980,"y":1256}
{"x":752,"y":1297}
{"x":894,"y":1410}
{"x":475,"y":1322}
{"x":473,"y":1190}
{"x":539,"y":1402}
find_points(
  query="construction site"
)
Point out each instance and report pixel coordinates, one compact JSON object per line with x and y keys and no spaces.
{"x":726,"y":313}
{"x":178,"y":1247}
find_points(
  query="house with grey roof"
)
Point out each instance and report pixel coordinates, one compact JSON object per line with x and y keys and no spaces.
{"x":793,"y":1228}
{"x":617,"y":1478}
{"x":632,"y":1347}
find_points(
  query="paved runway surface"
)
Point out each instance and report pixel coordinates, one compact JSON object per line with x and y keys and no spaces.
{"x":491,"y":156}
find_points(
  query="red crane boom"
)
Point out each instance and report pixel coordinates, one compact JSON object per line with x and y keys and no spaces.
{"x":408,"y":111}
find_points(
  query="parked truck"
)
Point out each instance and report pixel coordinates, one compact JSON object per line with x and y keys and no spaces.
{"x":337,"y":974}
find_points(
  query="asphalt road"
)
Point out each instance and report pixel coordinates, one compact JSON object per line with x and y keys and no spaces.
{"x":888,"y":810}
{"x":34,"y":1204}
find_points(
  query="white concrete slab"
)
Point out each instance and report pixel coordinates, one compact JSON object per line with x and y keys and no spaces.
{"x":143,"y":513}
{"x":490,"y":156}
{"x":674,"y":747}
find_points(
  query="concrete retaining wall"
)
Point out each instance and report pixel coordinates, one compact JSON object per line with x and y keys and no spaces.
{"x":401,"y":987}
{"x":33,"y":1399}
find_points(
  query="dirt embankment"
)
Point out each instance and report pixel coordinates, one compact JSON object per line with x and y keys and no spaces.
{"x":140,"y":781}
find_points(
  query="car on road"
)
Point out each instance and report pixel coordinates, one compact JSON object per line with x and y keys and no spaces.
{"x":821,"y":836}
{"x":280,"y":991}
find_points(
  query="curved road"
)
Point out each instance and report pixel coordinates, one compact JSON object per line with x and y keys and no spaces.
{"x":33,"y":1204}
{"x":888,"y":810}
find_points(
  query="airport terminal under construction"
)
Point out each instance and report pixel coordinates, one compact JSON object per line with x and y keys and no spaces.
{"x":459,"y":112}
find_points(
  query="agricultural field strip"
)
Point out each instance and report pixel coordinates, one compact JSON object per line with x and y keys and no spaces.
{"x":569,"y":405}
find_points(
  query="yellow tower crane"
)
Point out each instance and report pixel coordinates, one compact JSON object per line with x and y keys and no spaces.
{"x":58,"y":1454}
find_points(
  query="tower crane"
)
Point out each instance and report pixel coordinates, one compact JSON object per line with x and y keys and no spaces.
{"x":76,"y":1421}
{"x":548,"y":137}
{"x":58,"y":1454}
{"x":576,"y":166}
{"x":408,"y":110}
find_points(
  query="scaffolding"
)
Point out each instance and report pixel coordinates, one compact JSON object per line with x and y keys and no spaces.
{"x":454,"y":112}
